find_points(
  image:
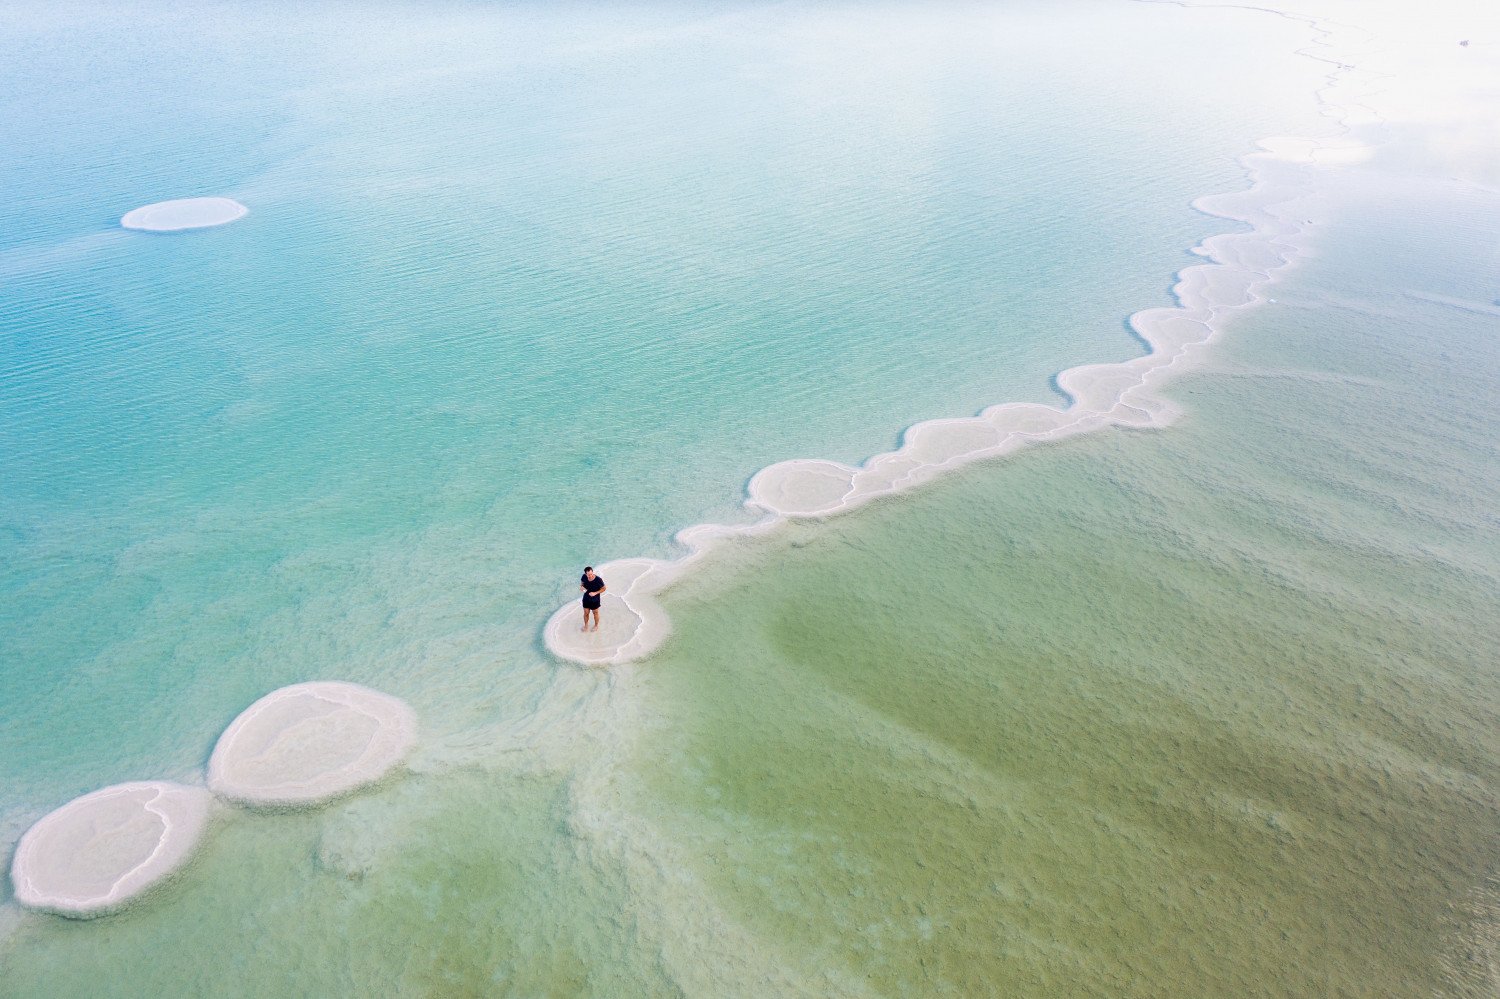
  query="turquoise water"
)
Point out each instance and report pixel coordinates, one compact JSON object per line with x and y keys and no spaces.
{"x":526,"y":288}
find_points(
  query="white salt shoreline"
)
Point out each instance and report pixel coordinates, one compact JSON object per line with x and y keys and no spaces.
{"x":1102,"y":395}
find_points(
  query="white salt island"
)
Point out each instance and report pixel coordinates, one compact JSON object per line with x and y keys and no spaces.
{"x":184,"y":213}
{"x":97,"y":852}
{"x":309,"y":742}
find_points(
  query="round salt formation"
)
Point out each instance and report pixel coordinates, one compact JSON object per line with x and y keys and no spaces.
{"x":96,"y":852}
{"x":184,"y":213}
{"x":619,"y":626}
{"x":309,"y":742}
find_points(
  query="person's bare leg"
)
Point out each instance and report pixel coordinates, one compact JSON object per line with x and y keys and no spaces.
{"x":596,"y":619}
{"x":585,"y":620}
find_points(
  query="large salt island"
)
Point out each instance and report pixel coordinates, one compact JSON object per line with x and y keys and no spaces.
{"x":309,"y":742}
{"x":184,"y":213}
{"x":97,"y":852}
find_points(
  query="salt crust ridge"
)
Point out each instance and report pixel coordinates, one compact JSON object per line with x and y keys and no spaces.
{"x":184,"y":213}
{"x":130,"y":836}
{"x":1101,"y":395}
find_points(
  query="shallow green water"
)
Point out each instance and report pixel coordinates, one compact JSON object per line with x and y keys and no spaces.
{"x":1211,"y":711}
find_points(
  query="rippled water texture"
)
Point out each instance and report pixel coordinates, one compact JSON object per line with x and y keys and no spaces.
{"x":1202,"y":711}
{"x":521,"y":289}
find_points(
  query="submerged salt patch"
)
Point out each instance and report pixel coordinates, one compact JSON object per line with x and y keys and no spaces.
{"x":310,"y":741}
{"x":184,"y":213}
{"x":98,"y":851}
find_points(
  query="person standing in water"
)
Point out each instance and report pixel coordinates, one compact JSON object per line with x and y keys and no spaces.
{"x":593,"y":588}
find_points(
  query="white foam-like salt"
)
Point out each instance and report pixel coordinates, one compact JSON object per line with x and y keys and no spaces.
{"x":309,"y":742}
{"x":184,"y":213}
{"x":99,"y":851}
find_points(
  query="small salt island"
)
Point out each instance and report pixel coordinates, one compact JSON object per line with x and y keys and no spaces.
{"x":97,"y":852}
{"x":309,"y":742}
{"x":184,"y":213}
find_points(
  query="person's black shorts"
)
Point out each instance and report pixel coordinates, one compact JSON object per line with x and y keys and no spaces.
{"x":591,"y":601}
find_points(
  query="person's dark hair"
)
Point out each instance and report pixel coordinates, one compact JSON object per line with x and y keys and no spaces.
{"x":588,"y":568}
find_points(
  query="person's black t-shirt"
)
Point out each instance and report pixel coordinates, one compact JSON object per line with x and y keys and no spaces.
{"x":593,"y":586}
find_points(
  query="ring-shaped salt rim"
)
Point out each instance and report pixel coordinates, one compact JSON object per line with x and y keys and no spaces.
{"x":310,"y":742}
{"x":100,"y":850}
